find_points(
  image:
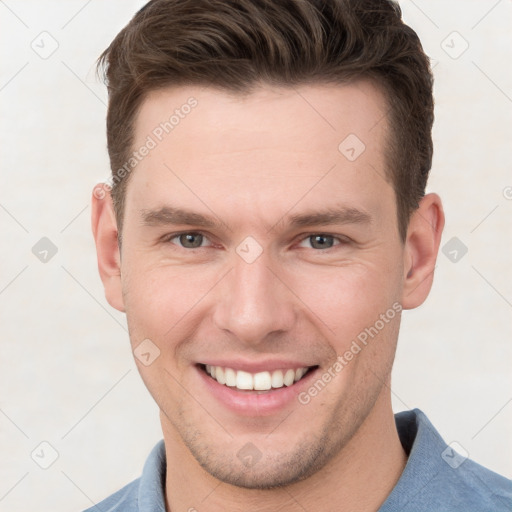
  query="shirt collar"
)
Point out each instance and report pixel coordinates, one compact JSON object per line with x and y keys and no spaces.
{"x":152,"y":482}
{"x":420,"y":441}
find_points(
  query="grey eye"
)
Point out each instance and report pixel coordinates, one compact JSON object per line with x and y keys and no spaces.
{"x":191,"y":240}
{"x":321,"y":241}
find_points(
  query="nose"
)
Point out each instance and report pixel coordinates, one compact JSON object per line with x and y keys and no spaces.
{"x":254,"y":302}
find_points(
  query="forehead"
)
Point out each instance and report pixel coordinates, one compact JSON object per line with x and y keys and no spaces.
{"x":267,"y":148}
{"x":307,"y":113}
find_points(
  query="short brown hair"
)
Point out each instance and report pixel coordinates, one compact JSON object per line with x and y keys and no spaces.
{"x":238,"y":44}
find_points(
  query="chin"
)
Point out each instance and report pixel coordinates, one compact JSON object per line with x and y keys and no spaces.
{"x":267,"y":467}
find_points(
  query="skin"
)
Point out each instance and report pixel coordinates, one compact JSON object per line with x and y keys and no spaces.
{"x":251,"y":162}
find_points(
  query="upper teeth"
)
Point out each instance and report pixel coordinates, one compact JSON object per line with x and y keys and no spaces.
{"x":258,"y":381}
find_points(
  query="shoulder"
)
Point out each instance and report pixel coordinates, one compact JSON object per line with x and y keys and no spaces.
{"x":469,"y":487}
{"x":145,"y":493}
{"x":125,"y":500}
{"x":480,"y":486}
{"x":437,"y":477}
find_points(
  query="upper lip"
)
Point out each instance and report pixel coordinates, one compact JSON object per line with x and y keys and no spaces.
{"x":257,"y":366}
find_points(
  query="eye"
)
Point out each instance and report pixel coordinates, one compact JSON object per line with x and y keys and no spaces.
{"x":188,"y":240}
{"x":320,"y":241}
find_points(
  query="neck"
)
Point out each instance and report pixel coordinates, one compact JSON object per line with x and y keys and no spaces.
{"x":360,"y":476}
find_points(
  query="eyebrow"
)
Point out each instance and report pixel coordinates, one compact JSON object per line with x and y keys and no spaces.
{"x":168,"y":215}
{"x":171,"y":215}
{"x":331,"y":216}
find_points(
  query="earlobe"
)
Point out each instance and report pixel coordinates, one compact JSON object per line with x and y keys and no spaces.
{"x":104,"y":228}
{"x":421,"y":248}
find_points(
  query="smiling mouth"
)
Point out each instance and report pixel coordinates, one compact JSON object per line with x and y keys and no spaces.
{"x":261,"y":382}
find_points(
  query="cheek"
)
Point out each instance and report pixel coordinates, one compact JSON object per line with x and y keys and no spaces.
{"x":165,"y":306}
{"x":159,"y":300}
{"x":345,"y":301}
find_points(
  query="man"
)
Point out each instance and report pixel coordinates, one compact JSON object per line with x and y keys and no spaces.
{"x":267,"y":223}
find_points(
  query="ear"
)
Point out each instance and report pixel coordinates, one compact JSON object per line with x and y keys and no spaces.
{"x":104,"y":229}
{"x":421,"y":246}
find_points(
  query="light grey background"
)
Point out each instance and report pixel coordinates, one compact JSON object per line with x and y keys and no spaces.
{"x":66,"y":372}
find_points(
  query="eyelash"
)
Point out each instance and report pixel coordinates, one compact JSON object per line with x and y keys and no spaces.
{"x":340,"y":239}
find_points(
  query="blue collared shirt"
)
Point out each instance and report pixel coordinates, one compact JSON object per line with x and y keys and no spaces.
{"x":435,"y":478}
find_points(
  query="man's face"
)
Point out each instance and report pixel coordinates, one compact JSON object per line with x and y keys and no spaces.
{"x":292,"y":252}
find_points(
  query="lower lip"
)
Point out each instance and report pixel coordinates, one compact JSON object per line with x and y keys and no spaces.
{"x":251,"y":403}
